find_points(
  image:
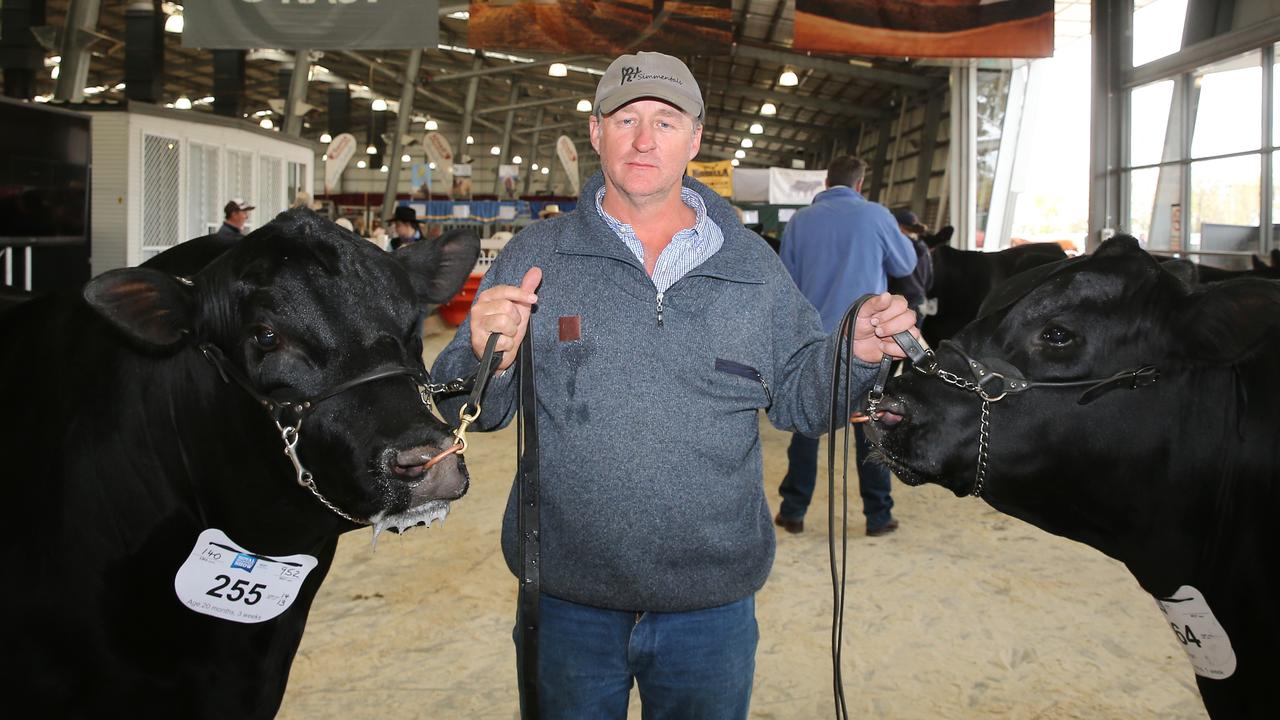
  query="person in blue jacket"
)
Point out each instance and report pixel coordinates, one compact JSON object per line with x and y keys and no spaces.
{"x":661,"y":329}
{"x":837,"y":249}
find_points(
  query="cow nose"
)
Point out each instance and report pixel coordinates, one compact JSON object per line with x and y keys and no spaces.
{"x":890,"y":412}
{"x":415,"y":461}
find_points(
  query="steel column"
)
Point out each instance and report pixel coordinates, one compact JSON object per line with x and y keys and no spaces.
{"x":533,"y":150}
{"x":402,"y":126}
{"x":297,"y":93}
{"x":506,"y":136}
{"x":468,"y":109}
{"x":73,"y":71}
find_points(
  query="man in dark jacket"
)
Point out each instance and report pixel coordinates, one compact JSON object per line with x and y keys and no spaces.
{"x":235,"y":214}
{"x":914,"y":287}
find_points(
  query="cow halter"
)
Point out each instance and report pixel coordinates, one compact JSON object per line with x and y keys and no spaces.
{"x":992,"y":386}
{"x":289,"y":414}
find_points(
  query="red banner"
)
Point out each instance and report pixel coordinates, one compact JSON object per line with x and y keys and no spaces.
{"x":926,"y":28}
{"x":605,"y":27}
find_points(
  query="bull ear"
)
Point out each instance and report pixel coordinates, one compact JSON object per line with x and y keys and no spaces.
{"x":439,"y":267}
{"x":940,"y":238}
{"x":151,"y":307}
{"x":1231,"y":320}
{"x":1185,"y":270}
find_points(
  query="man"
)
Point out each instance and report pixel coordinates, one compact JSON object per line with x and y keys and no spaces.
{"x":235,"y":214}
{"x":404,"y":226}
{"x":662,"y":328}
{"x":837,"y":249}
{"x":915,"y":285}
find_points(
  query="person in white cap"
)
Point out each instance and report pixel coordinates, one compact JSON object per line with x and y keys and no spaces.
{"x":235,"y":215}
{"x":663,"y":327}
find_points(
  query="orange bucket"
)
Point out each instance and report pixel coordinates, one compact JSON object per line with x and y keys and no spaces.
{"x":455,"y":311}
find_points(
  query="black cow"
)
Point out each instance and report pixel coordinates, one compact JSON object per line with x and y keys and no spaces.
{"x":963,"y":278}
{"x":1259,"y":268}
{"x":162,"y":549}
{"x":1140,"y":418}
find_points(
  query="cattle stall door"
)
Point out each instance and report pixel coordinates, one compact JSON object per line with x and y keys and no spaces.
{"x":161,"y":193}
{"x":204,"y":204}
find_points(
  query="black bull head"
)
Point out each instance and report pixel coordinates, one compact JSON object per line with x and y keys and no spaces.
{"x":1178,"y":479}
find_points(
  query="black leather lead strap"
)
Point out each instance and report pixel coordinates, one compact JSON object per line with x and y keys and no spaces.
{"x":527,"y":527}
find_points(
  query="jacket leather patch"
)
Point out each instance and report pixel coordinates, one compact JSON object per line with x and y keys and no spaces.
{"x":570,"y":328}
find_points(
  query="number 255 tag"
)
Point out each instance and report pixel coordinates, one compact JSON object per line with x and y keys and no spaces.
{"x":224,"y":580}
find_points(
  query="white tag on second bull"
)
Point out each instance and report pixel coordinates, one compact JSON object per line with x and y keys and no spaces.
{"x":224,"y":580}
{"x":1199,"y":633}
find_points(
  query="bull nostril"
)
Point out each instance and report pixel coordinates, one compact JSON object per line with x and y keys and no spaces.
{"x":415,"y":461}
{"x":890,"y":412}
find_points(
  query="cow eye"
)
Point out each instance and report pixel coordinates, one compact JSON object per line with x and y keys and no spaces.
{"x":266,"y":338}
{"x":1056,"y":336}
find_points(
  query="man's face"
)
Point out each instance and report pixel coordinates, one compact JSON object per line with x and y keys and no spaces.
{"x":402,"y":229}
{"x":238,"y":218}
{"x":644,"y":146}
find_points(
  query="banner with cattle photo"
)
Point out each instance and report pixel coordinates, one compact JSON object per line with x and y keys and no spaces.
{"x":926,"y":28}
{"x":605,"y":27}
{"x":318,"y":25}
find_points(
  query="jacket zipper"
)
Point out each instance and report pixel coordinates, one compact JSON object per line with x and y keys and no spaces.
{"x":745,"y":371}
{"x":659,"y":309}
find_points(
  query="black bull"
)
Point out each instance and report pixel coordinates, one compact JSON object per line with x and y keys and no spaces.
{"x":1178,"y":479}
{"x":161,"y":554}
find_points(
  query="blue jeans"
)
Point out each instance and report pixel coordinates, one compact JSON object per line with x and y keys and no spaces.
{"x":802,"y":470}
{"x":695,"y":664}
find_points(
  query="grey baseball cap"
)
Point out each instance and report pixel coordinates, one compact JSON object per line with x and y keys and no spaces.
{"x":648,"y":74}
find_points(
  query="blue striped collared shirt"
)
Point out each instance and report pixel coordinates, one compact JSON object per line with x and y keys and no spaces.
{"x":688,"y":249}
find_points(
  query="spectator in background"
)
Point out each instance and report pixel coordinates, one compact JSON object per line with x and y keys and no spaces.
{"x":302,"y":200}
{"x":549,"y":211}
{"x":404,"y":227}
{"x":838,"y":249}
{"x":915,"y":286}
{"x":235,"y":214}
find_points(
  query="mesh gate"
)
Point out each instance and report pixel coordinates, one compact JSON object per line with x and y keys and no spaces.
{"x":204,"y":206}
{"x":240,"y":180}
{"x":160,"y":204}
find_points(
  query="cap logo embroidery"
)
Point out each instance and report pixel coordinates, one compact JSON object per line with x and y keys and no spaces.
{"x":635,"y":73}
{"x":628,"y":74}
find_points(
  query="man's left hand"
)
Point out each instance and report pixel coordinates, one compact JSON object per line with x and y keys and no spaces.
{"x":879,"y":319}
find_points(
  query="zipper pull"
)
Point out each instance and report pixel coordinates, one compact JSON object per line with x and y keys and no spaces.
{"x":659,"y":309}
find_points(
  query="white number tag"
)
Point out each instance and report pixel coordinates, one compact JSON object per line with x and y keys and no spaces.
{"x":1200,"y":633}
{"x":224,"y":580}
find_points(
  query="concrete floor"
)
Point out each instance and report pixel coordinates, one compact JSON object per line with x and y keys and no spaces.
{"x":963,"y":613}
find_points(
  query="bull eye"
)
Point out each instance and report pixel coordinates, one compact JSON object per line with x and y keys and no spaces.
{"x":1056,"y":336}
{"x":266,"y":338}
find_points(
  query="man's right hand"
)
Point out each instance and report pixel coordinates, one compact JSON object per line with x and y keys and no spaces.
{"x":504,"y":309}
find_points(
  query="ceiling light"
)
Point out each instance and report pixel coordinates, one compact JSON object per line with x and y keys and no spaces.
{"x":734,"y":162}
{"x":740,"y":154}
{"x":121,"y":86}
{"x":545,"y":170}
{"x":260,"y":113}
{"x":495,"y":150}
{"x":182,"y":103}
{"x":516,"y":160}
{"x":384,"y":168}
{"x":432,"y":124}
{"x":788,"y":79}
{"x":326,"y":138}
{"x":584,"y":105}
{"x":324,"y":157}
{"x":405,"y":158}
{"x":460,"y":15}
{"x":470,"y":140}
{"x":379,"y":104}
{"x":768,"y":109}
{"x":557,"y":70}
{"x":362,"y":164}
{"x":206,"y":100}
{"x":431,"y":165}
{"x":534,"y":166}
{"x":746,"y":142}
{"x":266,"y":124}
{"x":756,"y":129}
{"x":173,"y":24}
{"x":371,"y":150}
{"x":54,"y":72}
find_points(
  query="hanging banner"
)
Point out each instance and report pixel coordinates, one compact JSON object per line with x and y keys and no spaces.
{"x":604,"y":27}
{"x":318,"y":24}
{"x":340,"y":151}
{"x":716,"y":175}
{"x":508,"y":175}
{"x":795,"y":187}
{"x":568,"y":155}
{"x":461,"y":182}
{"x":926,"y":28}
{"x":420,"y":181}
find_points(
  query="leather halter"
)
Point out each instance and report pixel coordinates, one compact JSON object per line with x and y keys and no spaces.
{"x":289,"y":414}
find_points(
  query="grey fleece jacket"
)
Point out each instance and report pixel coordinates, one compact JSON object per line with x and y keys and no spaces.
{"x":652,"y":494}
